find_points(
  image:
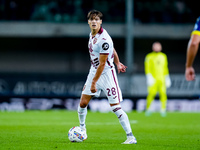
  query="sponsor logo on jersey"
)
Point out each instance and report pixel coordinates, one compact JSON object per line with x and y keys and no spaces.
{"x":105,"y":46}
{"x":95,"y":40}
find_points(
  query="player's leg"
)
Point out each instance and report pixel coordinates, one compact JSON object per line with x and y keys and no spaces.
{"x":110,"y":86}
{"x":85,"y":99}
{"x":82,"y":109}
{"x":124,"y":121}
{"x":82,"y":112}
{"x":152,"y":91}
{"x":163,"y":99}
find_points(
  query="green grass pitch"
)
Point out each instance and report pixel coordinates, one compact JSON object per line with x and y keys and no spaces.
{"x":47,"y":130}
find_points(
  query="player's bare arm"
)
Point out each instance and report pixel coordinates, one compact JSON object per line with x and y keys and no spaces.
{"x":120,"y":67}
{"x":102,"y":63}
{"x":192,"y":50}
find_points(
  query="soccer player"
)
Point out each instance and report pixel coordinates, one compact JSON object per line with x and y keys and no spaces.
{"x":157,"y":76}
{"x":192,"y":49}
{"x":102,"y":75}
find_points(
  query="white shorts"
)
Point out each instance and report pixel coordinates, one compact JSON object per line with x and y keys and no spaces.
{"x":107,"y":82}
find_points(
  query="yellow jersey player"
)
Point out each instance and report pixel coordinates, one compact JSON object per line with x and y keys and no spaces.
{"x":157,"y":75}
{"x":192,"y":49}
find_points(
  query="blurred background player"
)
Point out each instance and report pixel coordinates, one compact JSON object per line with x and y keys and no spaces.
{"x":192,"y":49}
{"x":157,"y":75}
{"x":102,"y":75}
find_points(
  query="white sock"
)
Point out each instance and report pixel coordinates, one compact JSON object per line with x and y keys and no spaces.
{"x":123,"y":119}
{"x":82,"y":112}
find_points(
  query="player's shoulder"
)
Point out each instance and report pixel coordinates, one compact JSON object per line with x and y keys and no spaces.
{"x":104,"y":32}
{"x":104,"y":35}
{"x":163,"y":55}
{"x":150,"y":54}
{"x":196,"y":29}
{"x":104,"y":39}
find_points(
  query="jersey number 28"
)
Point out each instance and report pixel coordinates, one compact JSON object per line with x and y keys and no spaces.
{"x":111,"y":91}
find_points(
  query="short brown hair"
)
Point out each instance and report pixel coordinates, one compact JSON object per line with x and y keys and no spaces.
{"x":94,"y":13}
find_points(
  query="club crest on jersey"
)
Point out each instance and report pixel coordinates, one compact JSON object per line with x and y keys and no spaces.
{"x":105,"y":46}
{"x":95,"y":40}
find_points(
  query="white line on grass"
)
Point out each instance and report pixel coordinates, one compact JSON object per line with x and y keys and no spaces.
{"x":64,"y":123}
{"x":109,"y":123}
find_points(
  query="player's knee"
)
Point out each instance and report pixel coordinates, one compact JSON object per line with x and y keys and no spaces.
{"x":152,"y":94}
{"x":117,"y":110}
{"x":83,"y":104}
{"x":84,"y":100}
{"x":152,"y":91}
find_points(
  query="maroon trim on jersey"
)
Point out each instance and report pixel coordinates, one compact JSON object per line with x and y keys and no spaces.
{"x":109,"y":63}
{"x":104,"y":53}
{"x":101,"y":30}
{"x":116,"y":85}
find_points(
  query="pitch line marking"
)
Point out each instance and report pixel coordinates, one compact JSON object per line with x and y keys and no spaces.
{"x":109,"y":123}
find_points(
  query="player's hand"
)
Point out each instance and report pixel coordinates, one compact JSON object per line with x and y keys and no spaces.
{"x":93,"y":87}
{"x":189,"y":74}
{"x":121,"y":67}
{"x":150,"y":79}
{"x":168,"y":82}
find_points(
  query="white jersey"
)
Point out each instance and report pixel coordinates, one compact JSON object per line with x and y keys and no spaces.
{"x":100,"y":44}
{"x":108,"y":82}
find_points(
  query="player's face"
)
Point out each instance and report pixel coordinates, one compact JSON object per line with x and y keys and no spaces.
{"x":95,"y":23}
{"x":157,"y":47}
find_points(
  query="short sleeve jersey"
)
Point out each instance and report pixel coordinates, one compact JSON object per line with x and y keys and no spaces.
{"x":100,"y":44}
{"x":196,"y":29}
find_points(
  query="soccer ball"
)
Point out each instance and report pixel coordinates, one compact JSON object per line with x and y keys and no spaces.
{"x":75,"y":134}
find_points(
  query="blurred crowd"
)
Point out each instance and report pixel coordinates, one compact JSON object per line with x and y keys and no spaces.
{"x":145,"y":11}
